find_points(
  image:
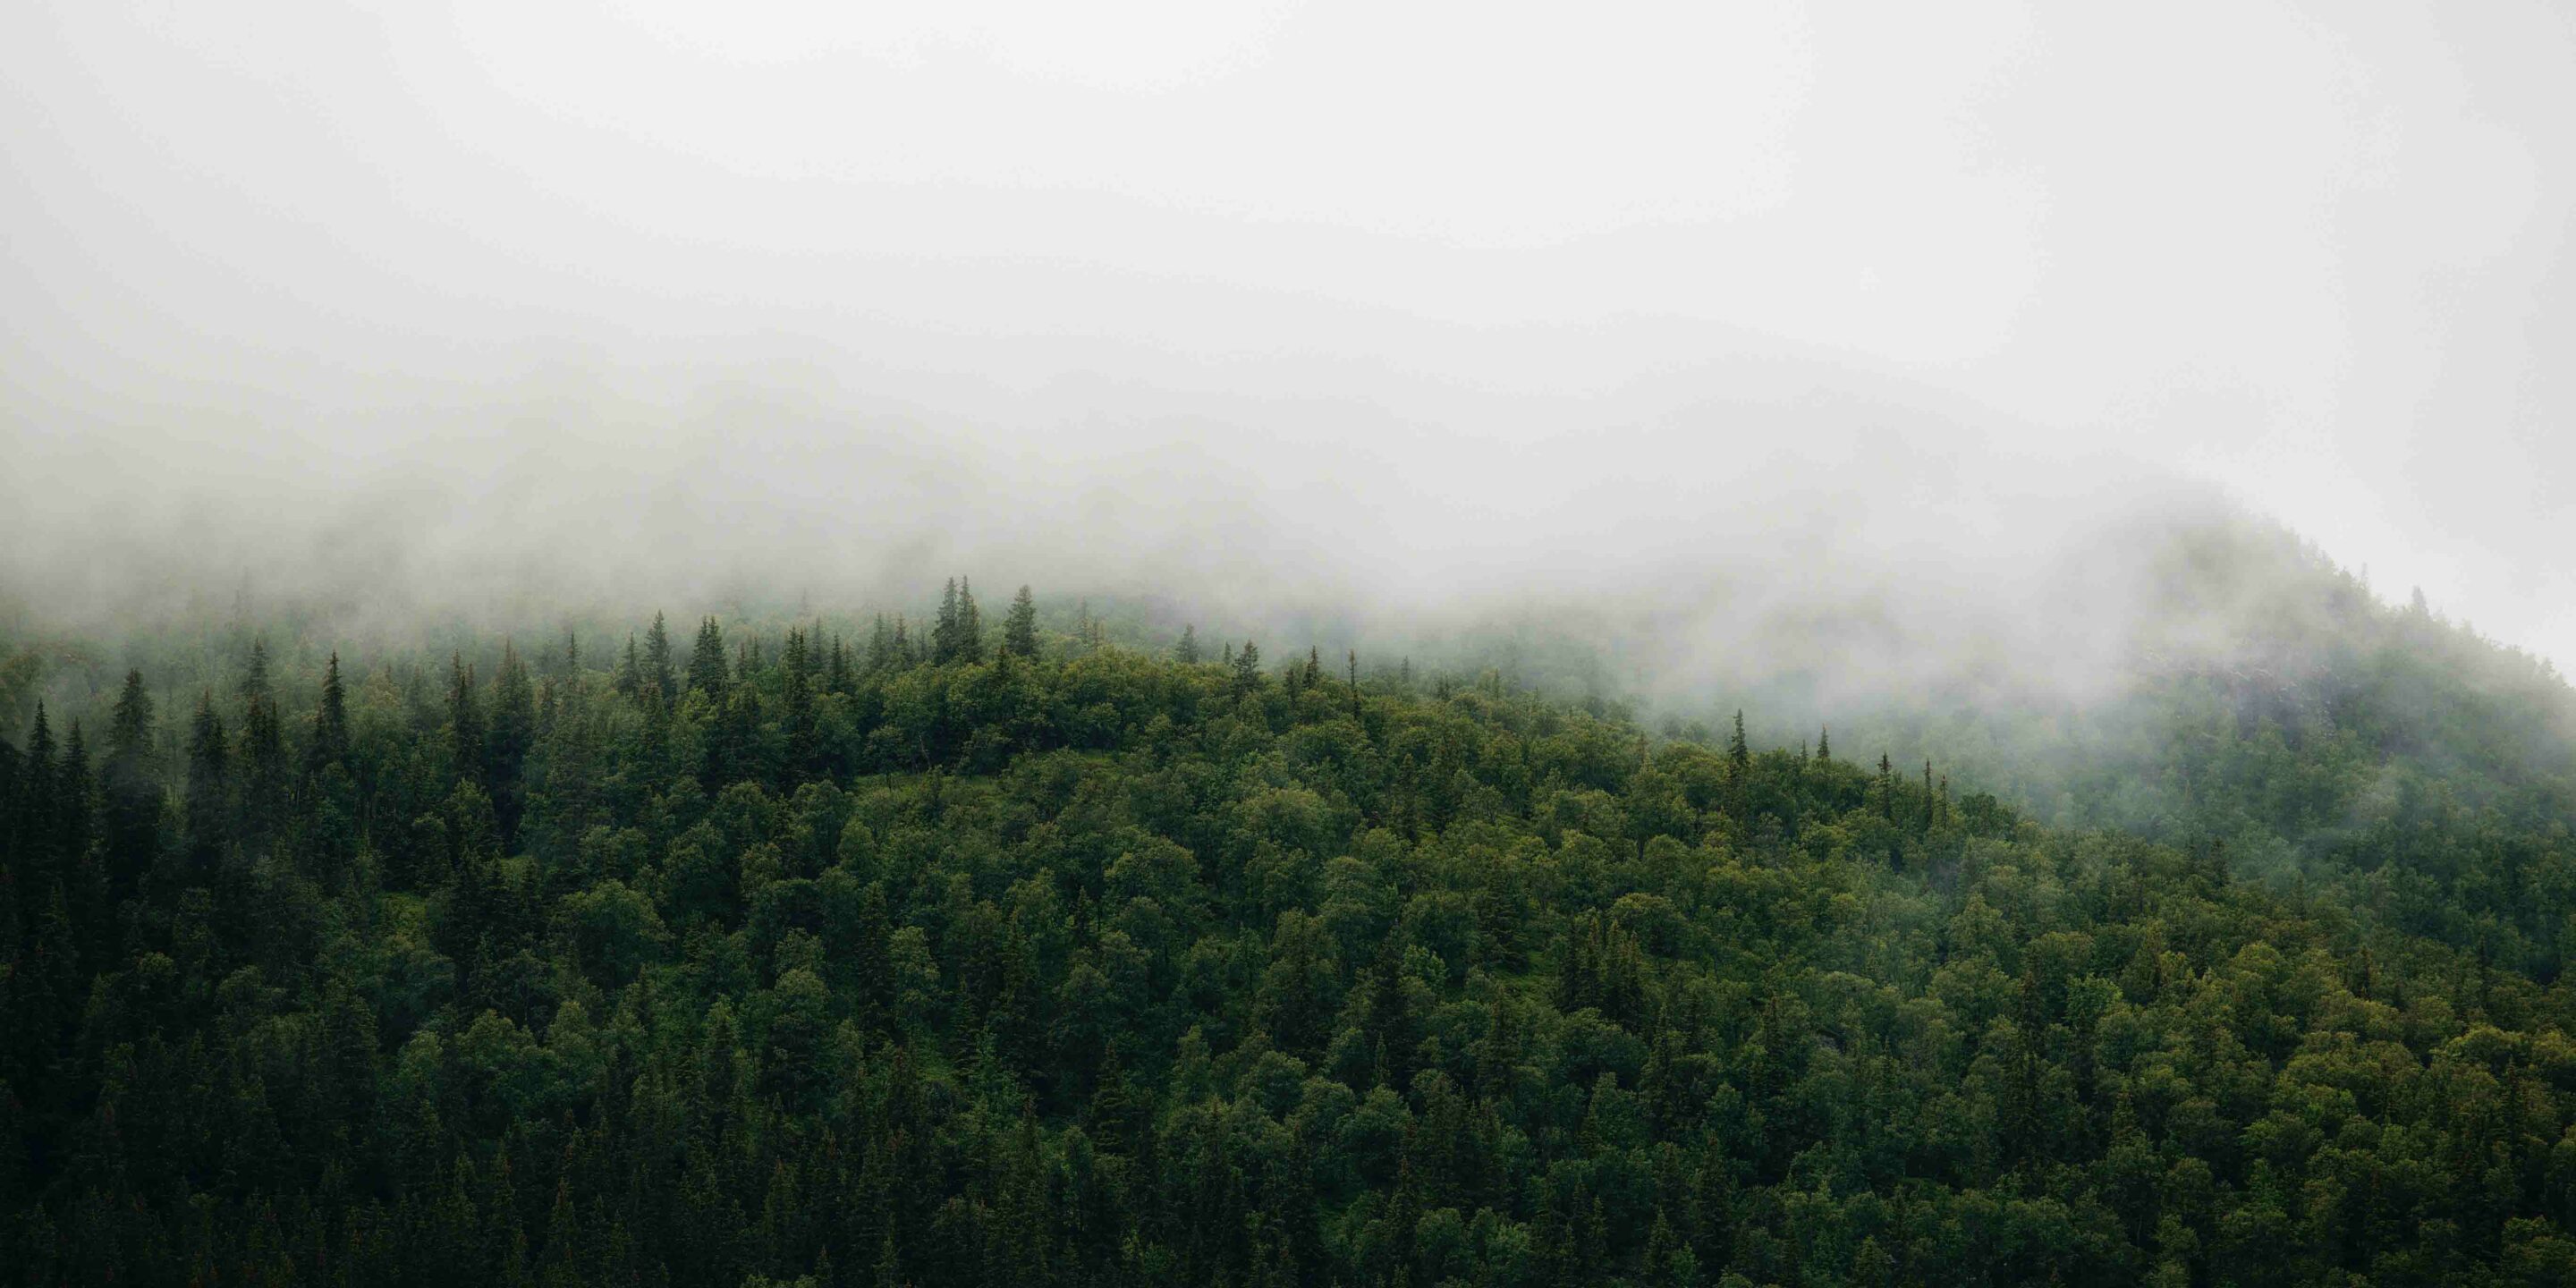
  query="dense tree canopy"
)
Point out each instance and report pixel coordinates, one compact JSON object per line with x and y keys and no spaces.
{"x":1044,"y":961}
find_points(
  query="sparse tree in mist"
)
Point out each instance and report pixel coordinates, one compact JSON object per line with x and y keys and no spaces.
{"x":1247,"y":667}
{"x":1187,"y":651}
{"x":1020,"y":629}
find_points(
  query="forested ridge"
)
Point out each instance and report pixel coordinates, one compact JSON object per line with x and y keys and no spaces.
{"x":997,"y":954}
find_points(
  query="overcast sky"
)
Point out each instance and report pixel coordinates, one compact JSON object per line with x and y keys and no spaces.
{"x":2317,"y":253}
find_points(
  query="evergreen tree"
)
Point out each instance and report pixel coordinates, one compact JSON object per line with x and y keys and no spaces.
{"x":1020,"y":629}
{"x":505,"y":750}
{"x":131,"y":789}
{"x":657,"y":660}
{"x":945,"y":629}
{"x":210,"y":804}
{"x":707,"y":661}
{"x":465,"y":738}
{"x":970,"y":624}
{"x":628,"y":679}
{"x":36,"y":826}
{"x":798,"y":718}
{"x":329,"y":745}
{"x":1187,"y":651}
{"x":263,"y":754}
{"x":836,"y":675}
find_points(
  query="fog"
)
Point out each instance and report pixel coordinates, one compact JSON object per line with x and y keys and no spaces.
{"x":1897,"y":324}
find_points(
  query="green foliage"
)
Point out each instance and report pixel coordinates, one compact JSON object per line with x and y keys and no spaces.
{"x":1034,"y":966}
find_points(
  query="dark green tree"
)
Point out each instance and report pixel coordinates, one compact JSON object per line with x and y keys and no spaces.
{"x":1020,"y":629}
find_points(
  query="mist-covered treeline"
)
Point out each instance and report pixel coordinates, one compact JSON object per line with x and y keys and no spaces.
{"x":996,"y":951}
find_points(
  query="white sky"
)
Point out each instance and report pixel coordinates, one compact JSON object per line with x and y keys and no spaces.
{"x":2315,"y":252}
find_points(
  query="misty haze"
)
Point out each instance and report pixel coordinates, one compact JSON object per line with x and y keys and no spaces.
{"x":1287,"y":644}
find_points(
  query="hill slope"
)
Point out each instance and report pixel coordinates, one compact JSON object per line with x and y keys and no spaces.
{"x":1085,"y":966}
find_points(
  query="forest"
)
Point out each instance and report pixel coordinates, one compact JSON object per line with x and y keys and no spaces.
{"x":1029,"y":952}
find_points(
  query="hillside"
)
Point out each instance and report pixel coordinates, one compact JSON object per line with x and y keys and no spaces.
{"x":1012,"y":956}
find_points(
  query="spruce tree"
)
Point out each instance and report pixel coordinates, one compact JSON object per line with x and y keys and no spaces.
{"x":836,"y":674}
{"x":944,"y":647}
{"x":881,"y":647}
{"x":36,"y":803}
{"x":657,"y":660}
{"x":629,"y":677}
{"x":1020,"y":629}
{"x":263,"y":753}
{"x":330,"y":742}
{"x":707,"y":661}
{"x":210,"y":805}
{"x":131,"y":788}
{"x":464,"y":722}
{"x":513,"y":731}
{"x":1187,"y":651}
{"x":798,"y":719}
{"x":970,"y":624}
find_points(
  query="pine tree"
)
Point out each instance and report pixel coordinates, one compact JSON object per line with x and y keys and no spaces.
{"x":628,"y":679}
{"x":1824,"y":745}
{"x":1187,"y":651}
{"x":464,"y":722}
{"x":707,"y":661}
{"x":210,"y":804}
{"x":513,"y":732}
{"x":36,"y":805}
{"x":329,"y":745}
{"x":131,"y":789}
{"x":657,"y":660}
{"x":970,"y":625}
{"x":75,"y":809}
{"x":881,"y":648}
{"x":263,"y":754}
{"x":943,"y":631}
{"x":1247,"y":667}
{"x":798,"y":719}
{"x":1020,"y":629}
{"x":1738,"y":753}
